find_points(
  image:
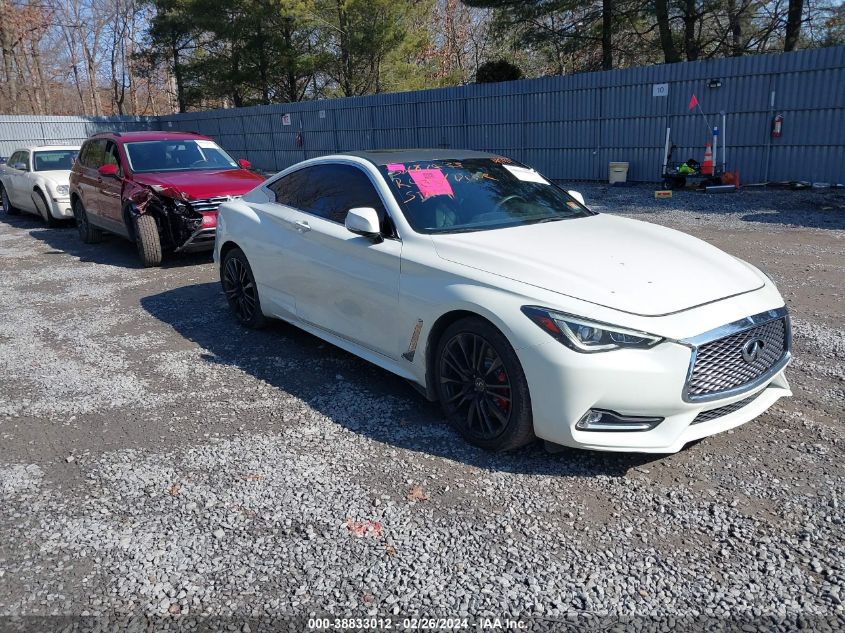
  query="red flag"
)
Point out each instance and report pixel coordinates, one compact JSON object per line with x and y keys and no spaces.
{"x":693,"y":102}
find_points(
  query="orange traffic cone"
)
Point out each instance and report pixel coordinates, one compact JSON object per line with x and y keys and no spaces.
{"x":707,"y":165}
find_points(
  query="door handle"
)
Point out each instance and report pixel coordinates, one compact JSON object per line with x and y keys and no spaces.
{"x":302,"y":226}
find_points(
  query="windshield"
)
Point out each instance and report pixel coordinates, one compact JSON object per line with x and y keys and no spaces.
{"x":476,"y":194}
{"x":177,"y":155}
{"x":59,"y":159}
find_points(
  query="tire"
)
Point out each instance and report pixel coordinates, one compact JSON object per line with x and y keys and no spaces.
{"x":44,"y":210}
{"x":147,"y":240}
{"x":8,"y":207}
{"x":481,"y":386}
{"x":87,"y":233}
{"x":241,"y":290}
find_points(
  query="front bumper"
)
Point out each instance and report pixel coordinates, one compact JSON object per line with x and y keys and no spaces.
{"x":564,"y":385}
{"x":200,"y":240}
{"x":60,"y":208}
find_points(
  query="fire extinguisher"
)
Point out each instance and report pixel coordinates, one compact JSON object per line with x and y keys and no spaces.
{"x":777,"y":126}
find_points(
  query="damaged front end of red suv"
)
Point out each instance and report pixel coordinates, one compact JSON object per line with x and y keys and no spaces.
{"x":185,"y":225}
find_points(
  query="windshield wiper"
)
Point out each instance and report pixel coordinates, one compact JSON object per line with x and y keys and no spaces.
{"x":544,"y":220}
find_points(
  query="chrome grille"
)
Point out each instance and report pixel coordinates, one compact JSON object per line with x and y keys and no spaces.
{"x":712,"y":414}
{"x":209,"y":204}
{"x":720,"y":367}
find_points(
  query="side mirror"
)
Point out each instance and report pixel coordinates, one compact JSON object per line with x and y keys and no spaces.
{"x":364,"y":221}
{"x":108,"y":170}
{"x":577,"y":195}
{"x":20,"y":166}
{"x":243,"y":163}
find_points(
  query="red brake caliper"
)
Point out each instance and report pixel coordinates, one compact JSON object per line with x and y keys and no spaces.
{"x":502,"y":377}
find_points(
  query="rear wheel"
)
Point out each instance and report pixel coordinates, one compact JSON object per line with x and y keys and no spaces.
{"x":147,"y":240}
{"x":87,"y":233}
{"x":44,"y":210}
{"x":241,"y":290}
{"x":8,"y":207}
{"x":481,"y":386}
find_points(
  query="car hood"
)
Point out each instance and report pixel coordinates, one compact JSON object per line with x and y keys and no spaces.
{"x":57,"y":176}
{"x":203,"y":184}
{"x":624,"y":264}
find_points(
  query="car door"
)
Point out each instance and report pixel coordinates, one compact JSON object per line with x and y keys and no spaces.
{"x":269,"y":247}
{"x":19,"y":191}
{"x":109,"y":189}
{"x":91,"y":157}
{"x":342,"y":282}
{"x":10,"y":174}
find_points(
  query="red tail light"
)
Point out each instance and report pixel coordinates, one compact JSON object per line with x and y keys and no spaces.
{"x":209,"y":219}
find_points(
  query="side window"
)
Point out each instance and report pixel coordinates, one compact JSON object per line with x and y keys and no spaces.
{"x":95,"y":154}
{"x":24,"y":158}
{"x":111,"y":156}
{"x":329,"y":191}
{"x":81,"y":157}
{"x":289,"y":189}
{"x":14,"y":158}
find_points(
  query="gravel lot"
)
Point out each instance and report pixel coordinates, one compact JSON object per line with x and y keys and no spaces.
{"x":156,"y":459}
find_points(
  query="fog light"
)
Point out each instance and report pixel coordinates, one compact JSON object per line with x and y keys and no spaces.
{"x":600,"y":420}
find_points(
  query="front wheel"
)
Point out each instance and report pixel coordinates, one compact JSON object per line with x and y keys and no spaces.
{"x":44,"y":210}
{"x":241,"y":289}
{"x":147,"y":240}
{"x":481,"y":386}
{"x":8,"y":207}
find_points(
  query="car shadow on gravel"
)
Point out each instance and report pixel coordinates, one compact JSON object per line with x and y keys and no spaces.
{"x":336,"y":383}
{"x":112,"y":251}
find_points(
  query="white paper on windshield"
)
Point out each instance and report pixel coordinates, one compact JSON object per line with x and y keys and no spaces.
{"x":528,"y":175}
{"x":206,"y":144}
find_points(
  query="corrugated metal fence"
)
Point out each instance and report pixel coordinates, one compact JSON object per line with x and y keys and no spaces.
{"x":568,"y":127}
{"x":18,"y":131}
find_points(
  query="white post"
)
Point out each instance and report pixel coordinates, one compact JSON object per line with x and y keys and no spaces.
{"x":724,"y":145}
{"x":665,"y":153}
{"x":715,"y":148}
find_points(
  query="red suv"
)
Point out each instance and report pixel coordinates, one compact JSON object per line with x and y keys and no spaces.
{"x":160,"y":190}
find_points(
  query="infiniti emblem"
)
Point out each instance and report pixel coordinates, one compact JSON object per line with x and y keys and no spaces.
{"x":751,"y":350}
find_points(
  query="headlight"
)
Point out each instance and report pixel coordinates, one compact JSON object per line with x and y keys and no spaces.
{"x":586,"y":336}
{"x":62,"y":190}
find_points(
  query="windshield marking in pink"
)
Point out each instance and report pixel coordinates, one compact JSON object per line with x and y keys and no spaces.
{"x":431,"y":182}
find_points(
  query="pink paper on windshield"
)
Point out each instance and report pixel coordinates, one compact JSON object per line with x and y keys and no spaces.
{"x":395,"y":167}
{"x":431,"y":182}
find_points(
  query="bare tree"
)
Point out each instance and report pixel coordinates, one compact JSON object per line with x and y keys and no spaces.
{"x":8,"y":35}
{"x":793,"y":24}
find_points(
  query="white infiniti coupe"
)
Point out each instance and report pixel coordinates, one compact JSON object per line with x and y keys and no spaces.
{"x":526,"y":314}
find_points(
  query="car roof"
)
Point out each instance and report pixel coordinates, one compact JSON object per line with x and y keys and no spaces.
{"x":148,"y":135}
{"x":38,"y":148}
{"x":387,"y":156}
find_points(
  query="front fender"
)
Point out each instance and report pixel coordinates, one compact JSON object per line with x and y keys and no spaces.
{"x":430,"y":289}
{"x":236,"y":218}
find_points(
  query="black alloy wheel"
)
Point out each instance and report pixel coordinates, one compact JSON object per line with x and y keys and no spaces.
{"x":475,"y":384}
{"x":241,"y":290}
{"x":481,"y":386}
